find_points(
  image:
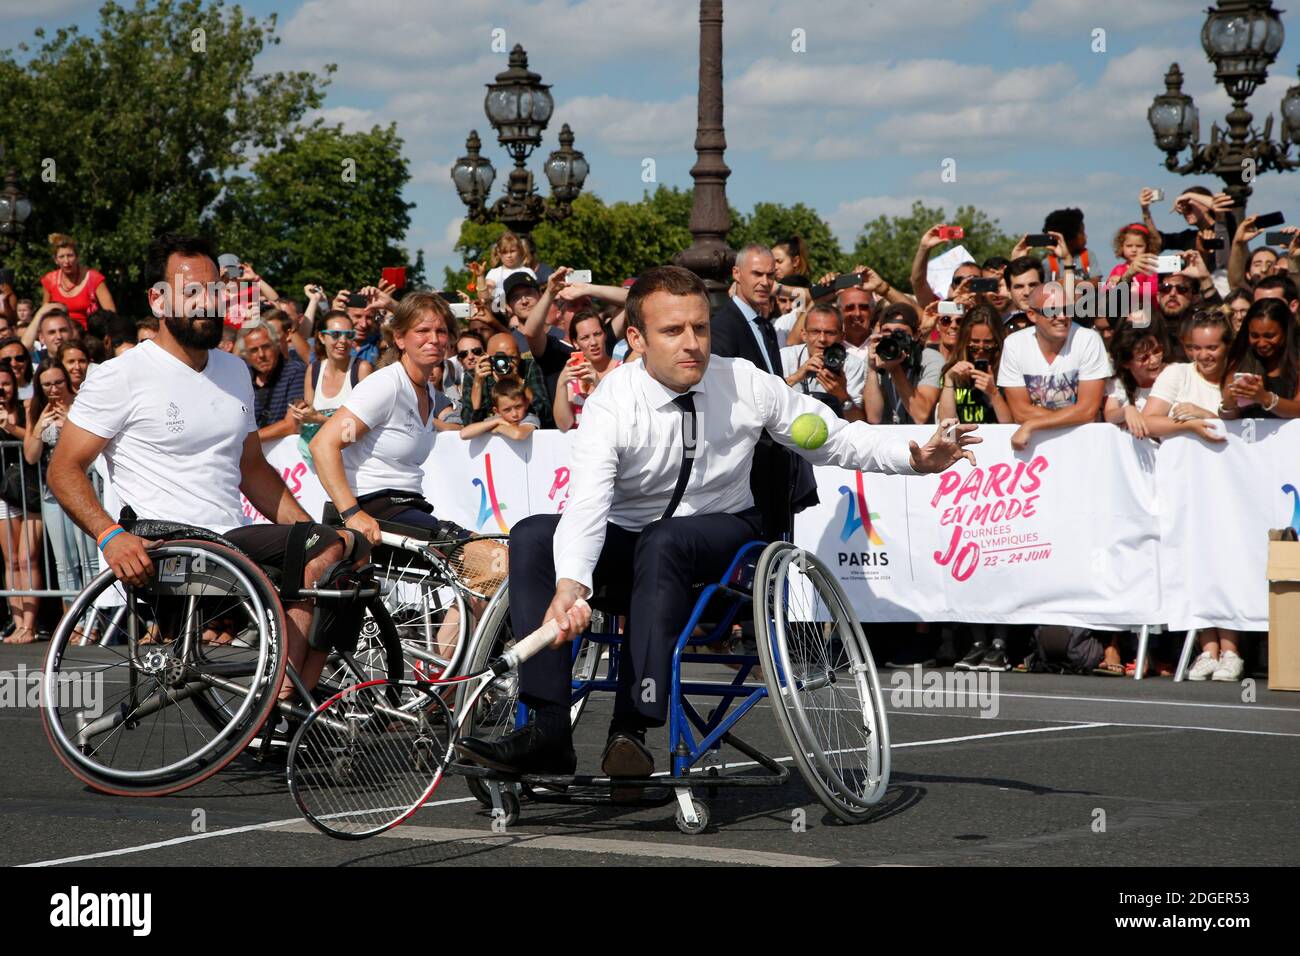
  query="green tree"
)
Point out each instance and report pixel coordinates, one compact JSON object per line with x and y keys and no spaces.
{"x":613,"y":241}
{"x":144,"y":124}
{"x":888,"y":243}
{"x":325,"y":207}
{"x":771,"y":223}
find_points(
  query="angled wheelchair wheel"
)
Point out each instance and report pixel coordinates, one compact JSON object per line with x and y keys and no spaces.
{"x":186,"y":674}
{"x":495,"y":711}
{"x":822,"y":680}
{"x":432,"y":618}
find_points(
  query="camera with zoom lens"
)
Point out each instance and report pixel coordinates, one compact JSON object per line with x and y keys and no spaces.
{"x":833,"y":357}
{"x":895,"y":345}
{"x":503,"y":363}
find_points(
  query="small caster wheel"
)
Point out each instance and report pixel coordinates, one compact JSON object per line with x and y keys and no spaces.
{"x":701,"y":815}
{"x":509,"y":812}
{"x":479,"y":791}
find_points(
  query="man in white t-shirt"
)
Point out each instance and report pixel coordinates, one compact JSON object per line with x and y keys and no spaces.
{"x":173,"y":419}
{"x":1054,"y":374}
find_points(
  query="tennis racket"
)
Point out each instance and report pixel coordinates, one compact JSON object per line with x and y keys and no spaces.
{"x":370,"y":756}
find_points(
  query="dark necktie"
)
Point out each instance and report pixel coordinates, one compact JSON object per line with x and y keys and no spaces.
{"x":687,"y":404}
{"x":769,"y":340}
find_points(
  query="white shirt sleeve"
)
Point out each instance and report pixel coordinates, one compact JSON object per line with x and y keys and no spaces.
{"x":103,"y":404}
{"x":373,"y":399}
{"x":593,"y":467}
{"x":1010,"y":374}
{"x":1094,"y":363}
{"x":1168,"y":385}
{"x":784,"y":323}
{"x":854,"y":445}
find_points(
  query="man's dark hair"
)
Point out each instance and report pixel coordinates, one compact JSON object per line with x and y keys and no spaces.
{"x":995,"y":262}
{"x":1198,"y":190}
{"x":120,"y":330}
{"x":97,"y":323}
{"x":169,"y":244}
{"x":1022,"y":264}
{"x":1283,"y":283}
{"x":147,"y":322}
{"x":671,"y":279}
{"x":1068,"y":222}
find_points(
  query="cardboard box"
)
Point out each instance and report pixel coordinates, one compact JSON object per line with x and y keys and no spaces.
{"x":1284,"y":615}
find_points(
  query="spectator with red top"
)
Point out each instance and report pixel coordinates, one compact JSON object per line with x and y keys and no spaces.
{"x":79,"y":289}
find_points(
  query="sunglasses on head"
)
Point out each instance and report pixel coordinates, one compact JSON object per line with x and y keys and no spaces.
{"x":476,"y":351}
{"x":337,"y":334}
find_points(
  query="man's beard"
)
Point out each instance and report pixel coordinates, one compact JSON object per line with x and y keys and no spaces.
{"x":201,"y":337}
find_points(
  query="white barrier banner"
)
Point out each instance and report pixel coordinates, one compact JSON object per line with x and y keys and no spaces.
{"x":1217,"y":503}
{"x":1085,"y":527}
{"x":1065,"y":532}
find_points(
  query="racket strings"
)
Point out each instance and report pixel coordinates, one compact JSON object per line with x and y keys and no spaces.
{"x":481,"y":564}
{"x":361,"y":765}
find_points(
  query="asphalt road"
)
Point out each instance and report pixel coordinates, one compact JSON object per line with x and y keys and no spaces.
{"x":1070,"y":771}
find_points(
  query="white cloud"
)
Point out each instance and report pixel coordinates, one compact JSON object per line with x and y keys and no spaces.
{"x":630,"y":127}
{"x":1117,"y":16}
{"x":24,"y":9}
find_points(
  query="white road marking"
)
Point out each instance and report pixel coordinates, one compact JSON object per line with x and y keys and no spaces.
{"x":667,"y":851}
{"x":1110,"y":723}
{"x":270,"y":824}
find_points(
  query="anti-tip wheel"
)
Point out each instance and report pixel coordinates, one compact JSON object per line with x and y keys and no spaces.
{"x":701,"y":818}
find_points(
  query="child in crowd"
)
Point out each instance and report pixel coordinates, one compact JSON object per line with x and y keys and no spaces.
{"x":512,"y":420}
{"x":1136,"y":246}
{"x":508,"y":255}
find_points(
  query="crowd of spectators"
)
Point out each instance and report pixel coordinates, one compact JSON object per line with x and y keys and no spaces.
{"x":1187,"y":326}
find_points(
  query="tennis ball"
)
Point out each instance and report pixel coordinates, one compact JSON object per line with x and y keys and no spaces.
{"x":809,"y":431}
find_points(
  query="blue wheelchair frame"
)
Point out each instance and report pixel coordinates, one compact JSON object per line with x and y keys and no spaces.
{"x":691,"y":734}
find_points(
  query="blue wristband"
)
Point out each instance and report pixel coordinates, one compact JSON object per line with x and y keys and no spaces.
{"x":110,"y":536}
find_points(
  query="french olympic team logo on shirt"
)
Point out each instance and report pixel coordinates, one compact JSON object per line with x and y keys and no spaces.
{"x":859,"y":515}
{"x":488,"y":505}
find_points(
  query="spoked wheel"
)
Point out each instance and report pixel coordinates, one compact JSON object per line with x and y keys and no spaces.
{"x":379,"y":654}
{"x":822,"y":680}
{"x":495,"y":712}
{"x":432,"y":619}
{"x":184,"y":677}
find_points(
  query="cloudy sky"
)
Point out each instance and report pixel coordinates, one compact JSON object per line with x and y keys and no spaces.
{"x":857,"y":124}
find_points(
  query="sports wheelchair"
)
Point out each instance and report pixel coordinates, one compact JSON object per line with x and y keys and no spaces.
{"x":189,"y":667}
{"x":817,"y":672}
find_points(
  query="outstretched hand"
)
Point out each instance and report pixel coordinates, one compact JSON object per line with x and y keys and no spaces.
{"x":945,"y":448}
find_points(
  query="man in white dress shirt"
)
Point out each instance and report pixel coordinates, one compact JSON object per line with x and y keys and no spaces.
{"x":660,"y":487}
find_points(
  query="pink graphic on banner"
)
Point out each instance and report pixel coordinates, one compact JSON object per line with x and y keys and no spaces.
{"x":982,"y":510}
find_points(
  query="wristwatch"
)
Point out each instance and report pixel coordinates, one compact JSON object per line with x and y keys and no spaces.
{"x":847,"y":405}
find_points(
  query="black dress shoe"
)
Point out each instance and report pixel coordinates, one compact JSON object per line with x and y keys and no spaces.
{"x":528,"y":750}
{"x":626,"y":756}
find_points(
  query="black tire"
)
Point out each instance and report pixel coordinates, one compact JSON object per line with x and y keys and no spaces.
{"x":182,"y":683}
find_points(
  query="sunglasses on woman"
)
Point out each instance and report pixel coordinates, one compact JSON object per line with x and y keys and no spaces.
{"x":465,"y":353}
{"x":337,"y":334}
{"x":946,"y":320}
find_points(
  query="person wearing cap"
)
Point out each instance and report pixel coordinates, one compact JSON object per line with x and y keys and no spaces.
{"x":553,"y":312}
{"x":902,"y":389}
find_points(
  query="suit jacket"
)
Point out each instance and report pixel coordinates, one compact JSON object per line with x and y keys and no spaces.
{"x":782,"y":482}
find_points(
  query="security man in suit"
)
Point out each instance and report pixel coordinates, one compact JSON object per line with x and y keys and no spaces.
{"x":781,"y":482}
{"x":659,"y":487}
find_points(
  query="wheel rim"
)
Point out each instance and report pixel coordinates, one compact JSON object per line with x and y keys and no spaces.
{"x":426,"y":610}
{"x":169,"y":675}
{"x":823,"y":682}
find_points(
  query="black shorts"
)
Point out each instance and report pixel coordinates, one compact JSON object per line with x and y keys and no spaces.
{"x":267,"y":544}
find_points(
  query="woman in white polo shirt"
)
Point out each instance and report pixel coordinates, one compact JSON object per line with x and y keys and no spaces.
{"x":370,"y":454}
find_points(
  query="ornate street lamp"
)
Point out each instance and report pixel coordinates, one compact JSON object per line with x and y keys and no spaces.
{"x":1242,"y":39}
{"x":15,"y":209}
{"x":519,"y":106}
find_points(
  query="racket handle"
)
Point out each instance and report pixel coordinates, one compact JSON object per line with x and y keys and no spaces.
{"x":535,"y":642}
